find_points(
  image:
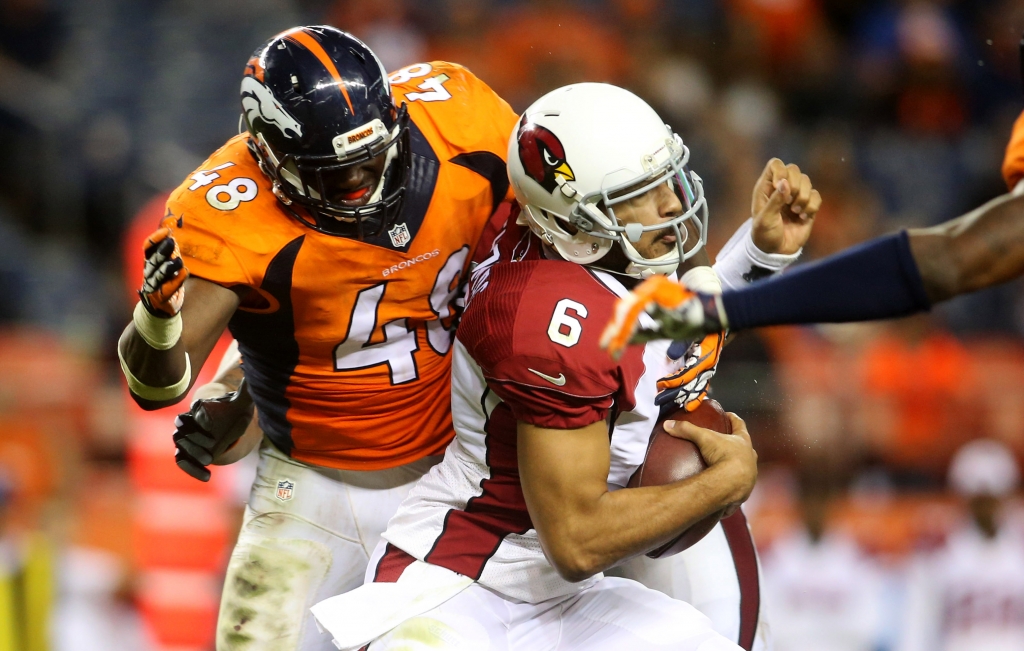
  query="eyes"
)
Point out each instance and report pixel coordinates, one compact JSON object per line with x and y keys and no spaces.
{"x":548,"y":158}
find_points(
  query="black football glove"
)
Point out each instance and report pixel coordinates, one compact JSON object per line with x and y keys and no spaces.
{"x":209,"y":428}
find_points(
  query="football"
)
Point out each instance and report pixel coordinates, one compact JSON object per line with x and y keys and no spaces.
{"x":670,"y":459}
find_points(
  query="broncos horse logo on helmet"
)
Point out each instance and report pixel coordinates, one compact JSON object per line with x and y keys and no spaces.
{"x":259,"y":102}
{"x":316,"y":102}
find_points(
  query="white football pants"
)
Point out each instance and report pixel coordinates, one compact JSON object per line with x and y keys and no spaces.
{"x":719,"y":576}
{"x":307,"y":535}
{"x":316,"y":542}
{"x":613,"y":615}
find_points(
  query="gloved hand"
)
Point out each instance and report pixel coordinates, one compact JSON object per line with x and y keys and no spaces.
{"x":698,"y":361}
{"x":679,"y":314}
{"x":163,"y":278}
{"x":209,"y":429}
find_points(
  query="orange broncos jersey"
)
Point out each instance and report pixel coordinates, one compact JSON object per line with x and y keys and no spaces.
{"x":347,"y":344}
{"x":1013,"y":162}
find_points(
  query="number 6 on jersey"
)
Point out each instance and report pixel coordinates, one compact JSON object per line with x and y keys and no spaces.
{"x":565,"y":330}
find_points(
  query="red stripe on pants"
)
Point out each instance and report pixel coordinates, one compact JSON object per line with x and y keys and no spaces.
{"x":744,"y":557}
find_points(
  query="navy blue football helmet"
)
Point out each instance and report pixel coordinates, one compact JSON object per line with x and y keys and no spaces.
{"x":317,"y":104}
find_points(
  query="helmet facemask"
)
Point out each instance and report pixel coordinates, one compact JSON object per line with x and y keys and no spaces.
{"x":300,"y":179}
{"x":596,"y":223}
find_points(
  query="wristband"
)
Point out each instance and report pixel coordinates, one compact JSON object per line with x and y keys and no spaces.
{"x":740,"y":262}
{"x":156,"y":394}
{"x":159,"y":333}
{"x":702,"y":279}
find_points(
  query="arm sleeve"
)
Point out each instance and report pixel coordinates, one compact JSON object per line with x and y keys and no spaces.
{"x":875,"y":280}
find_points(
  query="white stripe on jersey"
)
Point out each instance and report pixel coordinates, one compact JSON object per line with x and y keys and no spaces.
{"x":633,"y":429}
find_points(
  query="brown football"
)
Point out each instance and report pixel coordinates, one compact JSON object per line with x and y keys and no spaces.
{"x":670,"y":459}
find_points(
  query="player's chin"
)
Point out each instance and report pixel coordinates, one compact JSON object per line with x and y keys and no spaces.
{"x":663,"y":246}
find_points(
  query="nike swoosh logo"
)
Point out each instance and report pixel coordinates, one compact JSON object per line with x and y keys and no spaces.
{"x":557,"y":381}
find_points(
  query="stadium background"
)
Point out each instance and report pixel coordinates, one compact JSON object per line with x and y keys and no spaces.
{"x":898,"y":109}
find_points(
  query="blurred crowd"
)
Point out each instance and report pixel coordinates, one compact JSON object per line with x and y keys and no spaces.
{"x":898,"y":109}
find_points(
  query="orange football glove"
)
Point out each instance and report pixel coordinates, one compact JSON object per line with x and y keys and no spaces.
{"x":678,"y":314}
{"x":163,"y":278}
{"x":1013,"y":162}
{"x":690,"y":385}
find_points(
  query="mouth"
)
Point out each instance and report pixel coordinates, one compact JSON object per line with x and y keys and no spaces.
{"x":354,"y":198}
{"x":354,"y":195}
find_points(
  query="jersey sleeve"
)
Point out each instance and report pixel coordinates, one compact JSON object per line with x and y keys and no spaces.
{"x":207,"y":254}
{"x":217,"y":244}
{"x":471,"y":115}
{"x":536,"y":340}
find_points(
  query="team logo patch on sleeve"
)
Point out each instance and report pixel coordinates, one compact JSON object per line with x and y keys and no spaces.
{"x":399,"y":235}
{"x":285,"y":489}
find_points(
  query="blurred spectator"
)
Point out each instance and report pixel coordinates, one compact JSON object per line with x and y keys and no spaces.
{"x":385,"y":27}
{"x":823,"y":593}
{"x":93,"y":611}
{"x":536,"y":47}
{"x":916,"y":394}
{"x":970,"y":593}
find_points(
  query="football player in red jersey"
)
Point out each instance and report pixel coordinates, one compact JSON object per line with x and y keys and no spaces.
{"x":331,"y":238}
{"x":502,"y":544}
{"x":889,"y":276}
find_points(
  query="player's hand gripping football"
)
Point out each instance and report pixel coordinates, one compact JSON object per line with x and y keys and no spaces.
{"x":209,"y":429}
{"x":163,"y":279}
{"x":678,"y":314}
{"x":698,"y":362}
{"x":734,"y":452}
{"x":783,"y":207}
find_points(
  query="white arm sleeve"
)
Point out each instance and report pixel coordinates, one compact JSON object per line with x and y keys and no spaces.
{"x":740,"y":262}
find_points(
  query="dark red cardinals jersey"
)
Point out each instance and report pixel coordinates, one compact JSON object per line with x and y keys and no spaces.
{"x":526,"y":350}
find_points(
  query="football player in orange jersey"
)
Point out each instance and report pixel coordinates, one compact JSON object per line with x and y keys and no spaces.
{"x":331,"y":238}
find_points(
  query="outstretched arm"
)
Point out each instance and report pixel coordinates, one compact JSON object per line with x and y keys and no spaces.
{"x":983,"y":248}
{"x":888,"y":277}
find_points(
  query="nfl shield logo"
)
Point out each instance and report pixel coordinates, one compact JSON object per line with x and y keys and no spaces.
{"x":285,"y":489}
{"x":399,"y":235}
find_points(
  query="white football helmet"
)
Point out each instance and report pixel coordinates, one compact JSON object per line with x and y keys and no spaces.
{"x":583,"y":149}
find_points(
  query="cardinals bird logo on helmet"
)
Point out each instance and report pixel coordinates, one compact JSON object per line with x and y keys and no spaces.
{"x":543,"y":155}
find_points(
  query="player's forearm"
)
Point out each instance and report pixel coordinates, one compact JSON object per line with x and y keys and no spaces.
{"x":628,"y":522}
{"x":150,"y":365}
{"x":982,"y":248}
{"x":160,"y":375}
